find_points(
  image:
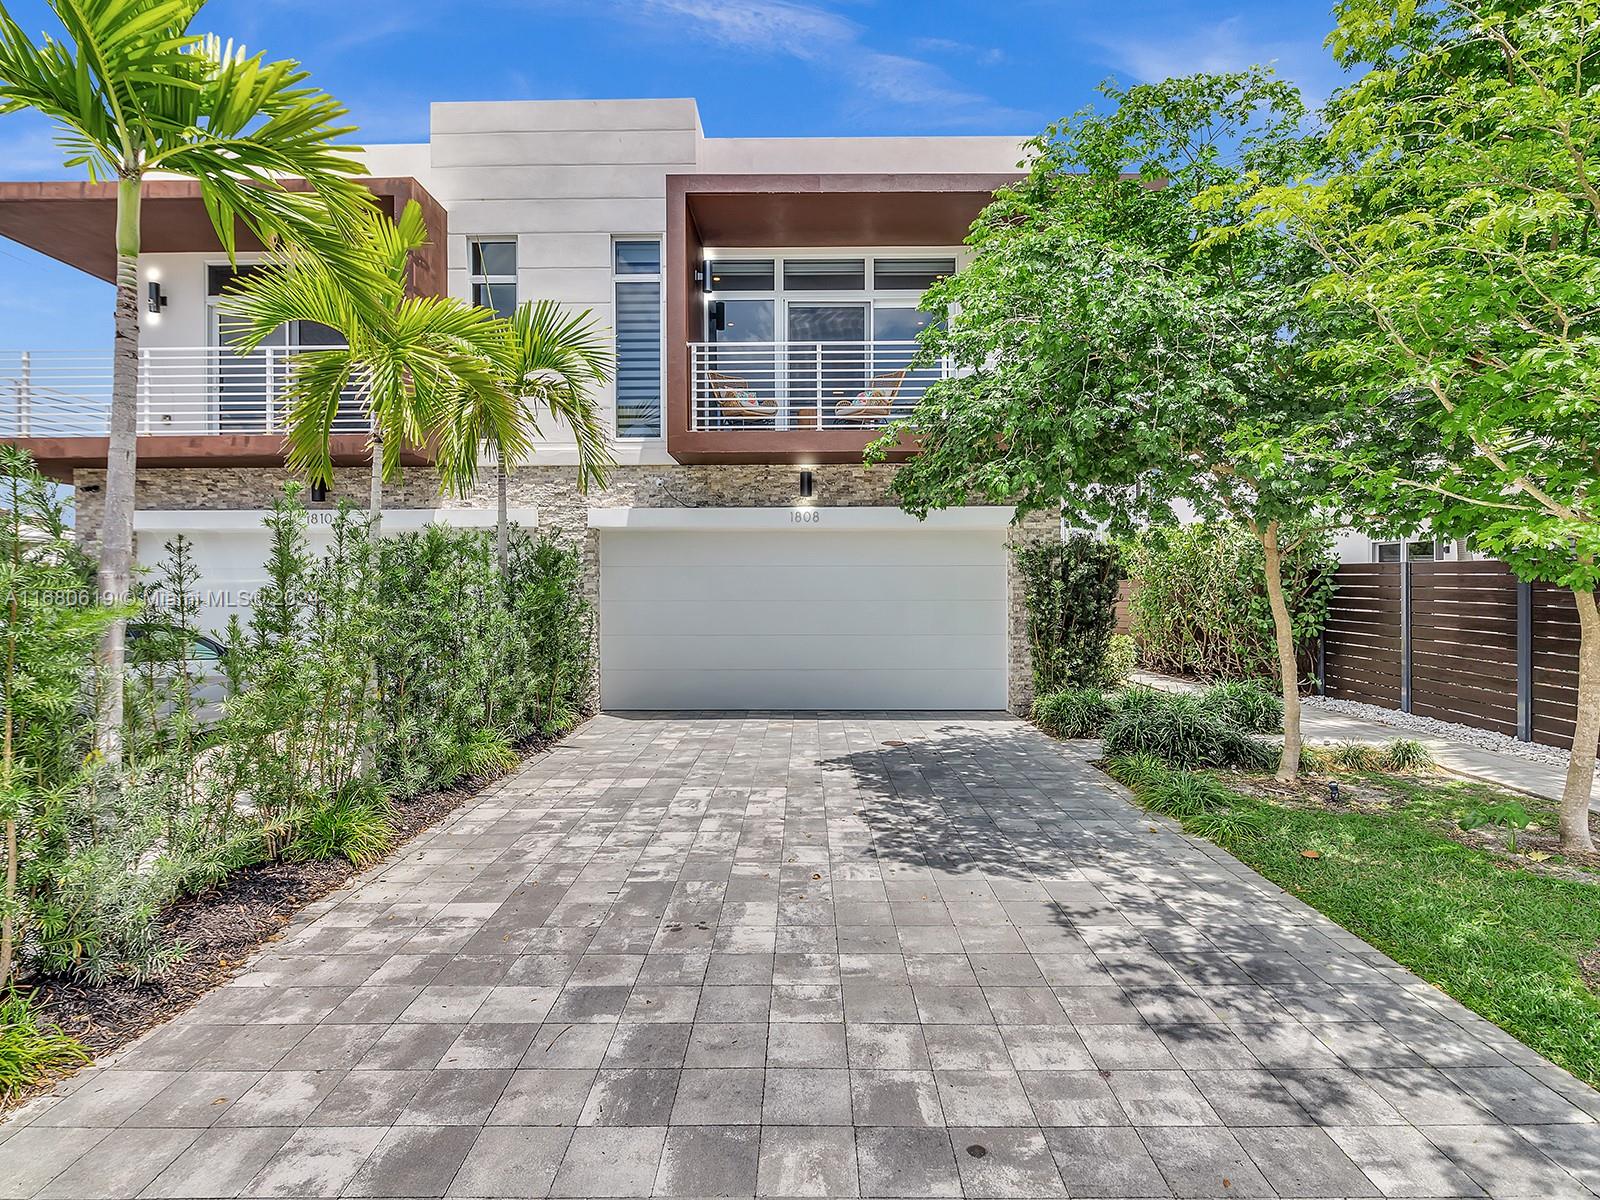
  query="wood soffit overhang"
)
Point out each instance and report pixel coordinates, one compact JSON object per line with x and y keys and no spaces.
{"x":74,"y":222}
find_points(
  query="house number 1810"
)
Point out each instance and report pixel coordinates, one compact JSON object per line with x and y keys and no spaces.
{"x":804,"y":516}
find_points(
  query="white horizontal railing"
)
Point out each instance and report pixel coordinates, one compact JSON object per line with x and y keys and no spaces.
{"x":183,"y":390}
{"x":805,"y":385}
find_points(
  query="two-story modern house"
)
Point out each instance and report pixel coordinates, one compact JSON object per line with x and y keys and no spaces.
{"x":764,"y":296}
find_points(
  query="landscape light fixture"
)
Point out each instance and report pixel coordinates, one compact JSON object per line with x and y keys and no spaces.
{"x":155,"y":298}
{"x":805,"y":485}
{"x":319,"y":492}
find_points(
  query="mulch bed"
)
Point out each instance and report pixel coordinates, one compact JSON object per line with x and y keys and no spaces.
{"x":222,"y":928}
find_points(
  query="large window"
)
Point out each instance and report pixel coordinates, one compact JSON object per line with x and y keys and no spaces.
{"x":636,"y":267}
{"x":493,"y":264}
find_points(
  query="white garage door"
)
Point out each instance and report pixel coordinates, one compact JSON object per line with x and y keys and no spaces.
{"x":803,"y":618}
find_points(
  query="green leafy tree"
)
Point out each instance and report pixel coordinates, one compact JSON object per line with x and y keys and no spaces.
{"x":1126,"y":349}
{"x":1458,"y":232}
{"x":551,"y":361}
{"x":51,"y":626}
{"x":132,"y":92}
{"x":406,"y":363}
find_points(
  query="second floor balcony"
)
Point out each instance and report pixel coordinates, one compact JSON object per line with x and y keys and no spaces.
{"x":196,"y":406}
{"x":191,"y":391}
{"x":825,"y":385}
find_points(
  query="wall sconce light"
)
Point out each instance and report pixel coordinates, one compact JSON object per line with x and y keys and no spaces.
{"x":155,"y":298}
{"x":805,"y":485}
{"x":319,"y":492}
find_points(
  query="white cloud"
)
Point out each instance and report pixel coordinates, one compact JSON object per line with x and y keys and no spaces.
{"x":1225,"y":45}
{"x":864,"y":76}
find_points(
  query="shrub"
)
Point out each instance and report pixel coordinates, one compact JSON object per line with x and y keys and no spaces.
{"x":1183,"y":731}
{"x":1179,"y":730}
{"x":1246,"y":705}
{"x":376,"y":669}
{"x":1199,"y":603}
{"x":1356,"y":756}
{"x":356,"y":827}
{"x":1229,"y":826}
{"x":31,"y":1049}
{"x":1184,"y":794}
{"x":1122,"y":656}
{"x":1137,"y":771}
{"x":1073,"y":713}
{"x":1070,"y":590}
{"x":1407,"y":755}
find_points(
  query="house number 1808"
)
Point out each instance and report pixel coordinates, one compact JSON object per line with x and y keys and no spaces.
{"x":804,"y":516}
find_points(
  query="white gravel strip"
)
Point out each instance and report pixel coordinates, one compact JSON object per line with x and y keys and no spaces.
{"x":1483,"y":739}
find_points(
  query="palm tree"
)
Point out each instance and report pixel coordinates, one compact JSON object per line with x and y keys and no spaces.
{"x":550,"y":361}
{"x":131,"y":91}
{"x":405,"y":361}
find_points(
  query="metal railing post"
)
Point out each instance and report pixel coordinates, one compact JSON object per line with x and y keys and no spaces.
{"x":272,"y":386}
{"x":25,"y":395}
{"x":1524,"y":661}
{"x":1405,"y":636}
{"x":819,"y":385}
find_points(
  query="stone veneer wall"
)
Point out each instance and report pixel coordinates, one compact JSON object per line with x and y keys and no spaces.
{"x":552,"y":490}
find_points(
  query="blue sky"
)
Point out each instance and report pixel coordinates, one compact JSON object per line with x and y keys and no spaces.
{"x":757,"y":67}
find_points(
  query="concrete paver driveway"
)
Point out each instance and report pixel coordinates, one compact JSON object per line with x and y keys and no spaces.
{"x":782,"y":956}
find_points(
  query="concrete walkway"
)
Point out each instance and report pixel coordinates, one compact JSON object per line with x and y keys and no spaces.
{"x":1453,"y":754}
{"x":784,"y":956}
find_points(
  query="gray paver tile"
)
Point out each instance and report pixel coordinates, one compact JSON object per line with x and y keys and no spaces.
{"x":413,"y":1161}
{"x":719,"y":1096}
{"x":806,"y":1096}
{"x":893,"y":1097}
{"x":510,"y":1162}
{"x":610,"y":1162}
{"x":122,"y":1165}
{"x":1204,"y":1162}
{"x":1005,"y":1162}
{"x":906,"y":1162}
{"x":1304,"y":1162}
{"x":542,"y":1097}
{"x":631,"y":1096}
{"x":455,"y":1098}
{"x":1402,"y":1162}
{"x":35,"y":1154}
{"x":1072,"y":1098}
{"x":807,"y":1161}
{"x":709,"y":1160}
{"x":315,"y":1163}
{"x":1100,"y":1161}
{"x":219,"y":1162}
{"x":983,"y":1098}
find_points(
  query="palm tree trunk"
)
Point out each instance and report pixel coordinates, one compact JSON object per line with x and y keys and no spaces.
{"x":375,"y":503}
{"x":116,"y":528}
{"x":1288,"y":667}
{"x":1575,"y":793}
{"x":502,"y":527}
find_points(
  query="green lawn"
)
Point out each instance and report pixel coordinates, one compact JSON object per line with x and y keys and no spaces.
{"x":1502,"y":939}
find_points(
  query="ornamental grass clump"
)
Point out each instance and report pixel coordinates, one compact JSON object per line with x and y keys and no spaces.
{"x":1073,"y":712}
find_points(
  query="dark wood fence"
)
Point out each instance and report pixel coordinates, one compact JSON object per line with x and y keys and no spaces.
{"x":1459,"y":641}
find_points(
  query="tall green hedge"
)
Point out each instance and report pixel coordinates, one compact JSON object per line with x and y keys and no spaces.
{"x":1070,"y":589}
{"x":1199,"y":603}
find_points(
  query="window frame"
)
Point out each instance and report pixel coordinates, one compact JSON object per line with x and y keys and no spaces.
{"x":488,"y":280}
{"x":658,"y":279}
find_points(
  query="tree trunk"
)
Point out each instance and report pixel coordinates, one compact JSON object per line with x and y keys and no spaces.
{"x":1288,"y":666}
{"x":8,"y":924}
{"x":375,"y":503}
{"x":116,"y":528}
{"x":1575,"y":794}
{"x":502,"y":528}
